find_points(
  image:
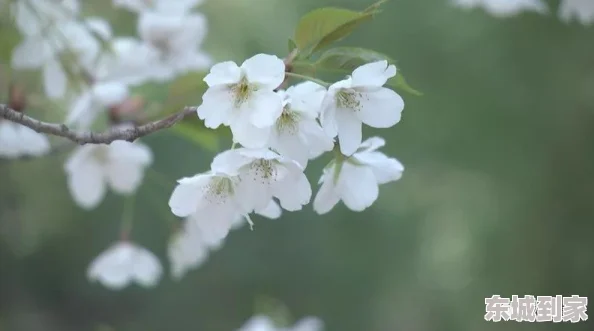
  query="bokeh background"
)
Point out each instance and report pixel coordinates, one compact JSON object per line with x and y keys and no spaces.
{"x":497,"y":196}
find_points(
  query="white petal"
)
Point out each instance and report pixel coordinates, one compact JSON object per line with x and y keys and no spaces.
{"x":309,"y":323}
{"x":123,"y":177}
{"x":54,"y":79}
{"x":229,"y":162}
{"x":259,"y":323}
{"x":372,"y":144}
{"x":357,"y":186}
{"x":134,"y":153}
{"x":31,"y":53}
{"x":111,"y":267}
{"x":10,"y":143}
{"x":381,"y":108}
{"x":293,"y":194}
{"x":217,"y":107}
{"x":33,"y":143}
{"x":328,"y":115}
{"x":291,"y":146}
{"x":265,"y":107}
{"x":223,"y":73}
{"x":249,"y":135}
{"x":187,"y":195}
{"x":272,"y":210}
{"x":326,"y":198}
{"x":99,"y":26}
{"x":81,"y":111}
{"x":110,"y":94}
{"x":266,"y":70}
{"x":317,"y":140}
{"x":307,"y":97}
{"x":373,"y":74}
{"x":86,"y":184}
{"x":214,"y":225}
{"x":384,"y":168}
{"x":146,"y":268}
{"x":349,"y":131}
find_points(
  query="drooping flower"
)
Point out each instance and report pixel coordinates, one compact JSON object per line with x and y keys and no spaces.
{"x":361,"y":98}
{"x":244,"y":98}
{"x":187,"y":250}
{"x":93,"y":101}
{"x":119,"y":165}
{"x":265,"y":323}
{"x":125,"y":263}
{"x":355,"y":179}
{"x":17,"y":140}
{"x":264,"y":174}
{"x":297,"y":134}
{"x":580,"y":10}
{"x":504,"y":8}
{"x":177,"y":40}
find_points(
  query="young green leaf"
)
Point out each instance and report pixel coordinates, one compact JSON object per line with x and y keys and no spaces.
{"x":323,"y":26}
{"x":292,"y":45}
{"x":347,"y":59}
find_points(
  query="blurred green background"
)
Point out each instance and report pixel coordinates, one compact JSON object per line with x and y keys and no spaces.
{"x":497,"y":196}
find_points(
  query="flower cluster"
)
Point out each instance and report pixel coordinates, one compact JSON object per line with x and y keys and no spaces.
{"x":581,"y":10}
{"x":277,"y":128}
{"x":279,"y":132}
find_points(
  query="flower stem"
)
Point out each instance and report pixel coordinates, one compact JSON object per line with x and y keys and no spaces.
{"x":127,"y":217}
{"x":304,"y":77}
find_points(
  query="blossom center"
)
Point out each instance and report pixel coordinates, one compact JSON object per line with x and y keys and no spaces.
{"x":218,"y":190}
{"x":242,"y":91}
{"x":348,"y":98}
{"x":100,"y":154}
{"x":288,"y":121}
{"x":263,"y":171}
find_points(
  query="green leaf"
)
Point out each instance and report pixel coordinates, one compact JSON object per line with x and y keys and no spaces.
{"x":292,"y":45}
{"x":347,"y":59}
{"x":198,"y":134}
{"x":321,"y":27}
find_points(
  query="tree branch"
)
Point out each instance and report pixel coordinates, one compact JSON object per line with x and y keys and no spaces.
{"x":89,"y":137}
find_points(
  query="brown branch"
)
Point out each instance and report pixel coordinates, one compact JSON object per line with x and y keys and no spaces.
{"x":89,"y":137}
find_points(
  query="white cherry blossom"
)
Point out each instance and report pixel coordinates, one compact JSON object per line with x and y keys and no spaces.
{"x":72,"y":38}
{"x":297,"y":134}
{"x":167,"y":6}
{"x":187,"y":250}
{"x":32,"y":17}
{"x":580,"y":10}
{"x":93,"y":101}
{"x":264,"y":174}
{"x":17,"y":140}
{"x":504,"y":8}
{"x":92,"y":168}
{"x":244,"y":98}
{"x":131,"y":61}
{"x":355,"y":179}
{"x":265,"y":323}
{"x":176,"y":39}
{"x":124,"y":263}
{"x":212,"y":195}
{"x":360,"y":99}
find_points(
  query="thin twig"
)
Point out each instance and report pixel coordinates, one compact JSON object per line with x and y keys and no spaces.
{"x":89,"y":137}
